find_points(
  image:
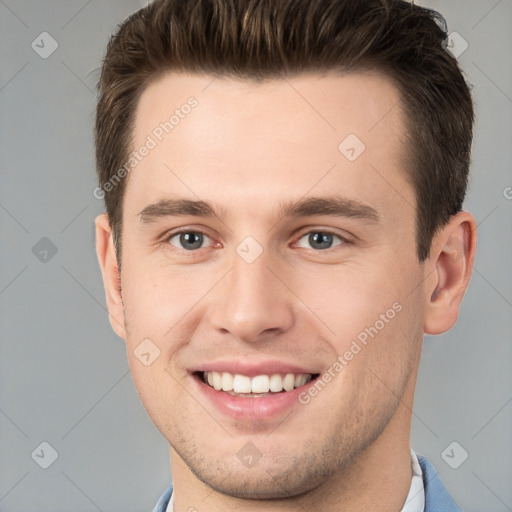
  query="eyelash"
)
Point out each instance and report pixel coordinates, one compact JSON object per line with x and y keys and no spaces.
{"x":343,"y":240}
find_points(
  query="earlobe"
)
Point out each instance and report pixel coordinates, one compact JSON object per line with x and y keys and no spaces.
{"x":107,"y":259}
{"x":452,"y":256}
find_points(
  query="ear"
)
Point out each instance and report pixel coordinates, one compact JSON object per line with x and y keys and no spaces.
{"x":450,"y":266}
{"x":105,"y":250}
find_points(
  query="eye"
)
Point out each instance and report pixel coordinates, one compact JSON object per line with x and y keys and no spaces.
{"x":189,"y":240}
{"x":320,"y":240}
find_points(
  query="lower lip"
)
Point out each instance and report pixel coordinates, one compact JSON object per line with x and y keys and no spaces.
{"x":261,"y":408}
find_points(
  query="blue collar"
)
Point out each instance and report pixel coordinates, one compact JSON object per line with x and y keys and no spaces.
{"x":436,"y":496}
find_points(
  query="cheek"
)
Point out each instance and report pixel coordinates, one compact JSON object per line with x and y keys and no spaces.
{"x":163,"y":307}
{"x":350,"y":298}
{"x":159,"y":297}
{"x":156,"y":390}
{"x":374,"y":319}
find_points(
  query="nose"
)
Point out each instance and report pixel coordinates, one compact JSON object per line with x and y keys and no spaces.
{"x":252,"y":303}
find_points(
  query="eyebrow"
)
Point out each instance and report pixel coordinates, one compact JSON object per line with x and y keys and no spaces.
{"x":312,"y":206}
{"x":334,"y":206}
{"x":177,"y":207}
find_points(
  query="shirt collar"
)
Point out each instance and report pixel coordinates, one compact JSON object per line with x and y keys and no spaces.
{"x":415,"y":501}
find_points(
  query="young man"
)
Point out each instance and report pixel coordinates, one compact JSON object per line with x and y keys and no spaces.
{"x":284,"y":183}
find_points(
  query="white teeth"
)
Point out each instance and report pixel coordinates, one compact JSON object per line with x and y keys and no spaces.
{"x":260,"y":384}
{"x":289,"y":382}
{"x":276,"y":383}
{"x":227,"y":381}
{"x":241,"y":384}
{"x":237,"y":383}
{"x":302,"y":380}
{"x":217,"y":381}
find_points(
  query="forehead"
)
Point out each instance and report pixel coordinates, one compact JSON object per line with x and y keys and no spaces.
{"x":236,"y":141}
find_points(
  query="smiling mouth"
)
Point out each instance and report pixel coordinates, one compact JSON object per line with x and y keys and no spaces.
{"x":254,"y":387}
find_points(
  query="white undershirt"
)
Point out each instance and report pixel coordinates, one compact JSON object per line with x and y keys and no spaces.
{"x":415,"y":501}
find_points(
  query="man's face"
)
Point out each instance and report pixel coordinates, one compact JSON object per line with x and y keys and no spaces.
{"x":273,"y":283}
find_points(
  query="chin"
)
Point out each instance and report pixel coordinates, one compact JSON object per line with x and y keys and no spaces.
{"x":270,"y":478}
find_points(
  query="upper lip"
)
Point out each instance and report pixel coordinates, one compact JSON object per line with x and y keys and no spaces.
{"x":252,"y":369}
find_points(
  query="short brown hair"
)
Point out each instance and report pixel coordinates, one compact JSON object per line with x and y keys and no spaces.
{"x":266,"y":39}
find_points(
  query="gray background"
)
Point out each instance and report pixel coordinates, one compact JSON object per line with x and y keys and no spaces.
{"x":64,"y":377}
